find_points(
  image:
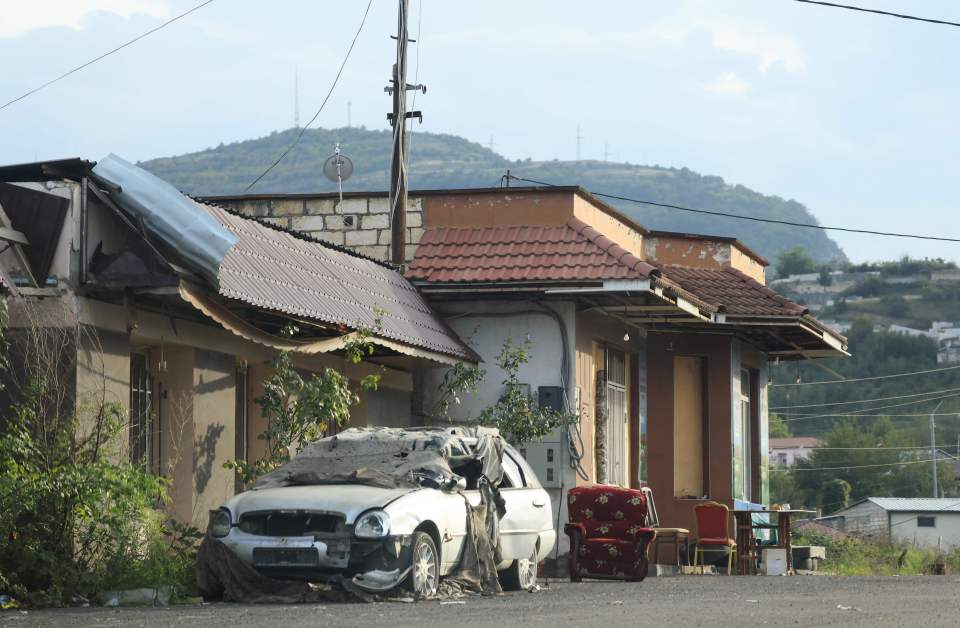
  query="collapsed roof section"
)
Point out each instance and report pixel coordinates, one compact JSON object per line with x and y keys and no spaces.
{"x":252,"y":278}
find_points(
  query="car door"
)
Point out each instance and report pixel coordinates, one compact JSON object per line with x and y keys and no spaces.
{"x":528,"y":508}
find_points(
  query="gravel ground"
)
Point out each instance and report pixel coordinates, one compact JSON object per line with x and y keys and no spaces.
{"x":709,"y":601}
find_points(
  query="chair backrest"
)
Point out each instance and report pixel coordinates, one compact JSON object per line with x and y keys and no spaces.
{"x":653,"y":519}
{"x":713,"y":520}
{"x":600,"y":502}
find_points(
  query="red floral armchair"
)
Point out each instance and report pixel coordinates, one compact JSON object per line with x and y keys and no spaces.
{"x":609,"y":537}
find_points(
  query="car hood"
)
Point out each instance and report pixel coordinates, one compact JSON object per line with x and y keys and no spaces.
{"x":349,"y":499}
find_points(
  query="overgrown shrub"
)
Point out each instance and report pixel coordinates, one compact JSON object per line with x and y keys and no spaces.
{"x":852,"y":556}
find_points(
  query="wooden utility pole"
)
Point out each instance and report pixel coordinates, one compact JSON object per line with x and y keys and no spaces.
{"x":399,"y":163}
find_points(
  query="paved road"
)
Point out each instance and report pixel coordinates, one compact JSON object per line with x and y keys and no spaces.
{"x":709,"y":601}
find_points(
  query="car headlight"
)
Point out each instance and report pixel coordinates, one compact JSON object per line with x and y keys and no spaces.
{"x":372,"y":525}
{"x":220,"y":523}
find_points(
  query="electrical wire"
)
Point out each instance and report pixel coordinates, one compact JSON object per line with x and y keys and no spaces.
{"x":104,"y":55}
{"x":855,"y":413}
{"x":903,"y":16}
{"x":323,"y":104}
{"x":709,"y":212}
{"x":862,"y":466}
{"x":846,"y":403}
{"x":867,"y":379}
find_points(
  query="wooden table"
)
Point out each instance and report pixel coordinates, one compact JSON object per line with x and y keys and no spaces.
{"x":746,"y":548}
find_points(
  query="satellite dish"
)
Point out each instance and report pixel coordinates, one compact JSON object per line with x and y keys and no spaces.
{"x":337,"y":167}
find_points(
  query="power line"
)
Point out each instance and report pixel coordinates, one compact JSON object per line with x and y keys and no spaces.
{"x":879,"y":12}
{"x":882,"y":448}
{"x":104,"y":55}
{"x":323,"y":104}
{"x":923,"y":414}
{"x":709,"y":212}
{"x":855,"y":413}
{"x":845,"y":403}
{"x":861,"y":466}
{"x":867,"y":379}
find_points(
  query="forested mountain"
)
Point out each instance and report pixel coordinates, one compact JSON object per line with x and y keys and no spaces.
{"x":447,"y":161}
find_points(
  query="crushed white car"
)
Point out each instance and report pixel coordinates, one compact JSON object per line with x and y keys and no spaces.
{"x":385,"y":507}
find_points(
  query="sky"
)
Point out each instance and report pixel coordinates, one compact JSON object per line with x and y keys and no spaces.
{"x":852,"y":114}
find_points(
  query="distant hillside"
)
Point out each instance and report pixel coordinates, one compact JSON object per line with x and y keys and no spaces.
{"x":448,"y":161}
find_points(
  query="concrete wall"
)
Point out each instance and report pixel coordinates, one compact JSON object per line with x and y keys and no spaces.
{"x":865,"y":519}
{"x":946,"y":530}
{"x":214,"y":418}
{"x":361,"y":223}
{"x":701,"y":252}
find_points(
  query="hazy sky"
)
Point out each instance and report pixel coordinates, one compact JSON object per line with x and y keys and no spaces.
{"x":852,"y":114}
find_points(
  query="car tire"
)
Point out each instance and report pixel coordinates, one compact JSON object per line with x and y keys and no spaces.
{"x":521,"y":575}
{"x":424,"y":577}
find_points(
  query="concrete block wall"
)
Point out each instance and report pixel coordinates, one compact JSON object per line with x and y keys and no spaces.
{"x":362,"y":224}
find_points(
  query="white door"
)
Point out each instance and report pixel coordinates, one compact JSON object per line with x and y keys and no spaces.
{"x":617,"y":418}
{"x":526,"y":506}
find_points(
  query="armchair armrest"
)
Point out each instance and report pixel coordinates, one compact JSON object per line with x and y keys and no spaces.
{"x":575,"y":529}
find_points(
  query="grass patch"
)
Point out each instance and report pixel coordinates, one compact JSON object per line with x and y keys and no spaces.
{"x":869,"y":557}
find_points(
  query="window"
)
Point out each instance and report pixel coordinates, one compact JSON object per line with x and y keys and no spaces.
{"x":782,"y":459}
{"x":141,"y":399}
{"x":926,"y":522}
{"x":743,"y":441}
{"x":512,"y":478}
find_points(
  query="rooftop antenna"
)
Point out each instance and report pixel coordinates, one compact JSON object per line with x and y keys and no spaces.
{"x":338,"y":168}
{"x":296,"y":98}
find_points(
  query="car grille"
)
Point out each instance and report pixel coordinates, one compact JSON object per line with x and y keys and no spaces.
{"x":291,"y":523}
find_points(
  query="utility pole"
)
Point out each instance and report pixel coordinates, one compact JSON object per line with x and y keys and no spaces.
{"x":578,"y":142}
{"x":606,"y":151}
{"x":933,"y":447}
{"x":349,"y":104}
{"x":398,"y":165}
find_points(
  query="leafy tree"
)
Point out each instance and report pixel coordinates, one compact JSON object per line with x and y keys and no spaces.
{"x":778,"y":428}
{"x":301,"y":410}
{"x":516,"y":414}
{"x":825,"y":279}
{"x":794,"y":261}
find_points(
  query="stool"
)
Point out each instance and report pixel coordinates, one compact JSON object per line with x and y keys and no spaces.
{"x":675,"y":536}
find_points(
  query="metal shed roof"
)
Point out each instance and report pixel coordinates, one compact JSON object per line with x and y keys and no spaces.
{"x":917,"y":504}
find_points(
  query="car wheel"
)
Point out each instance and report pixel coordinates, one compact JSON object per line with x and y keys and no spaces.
{"x":424,"y":576}
{"x":521,"y":575}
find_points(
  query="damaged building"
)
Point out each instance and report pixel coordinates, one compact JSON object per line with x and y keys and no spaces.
{"x":658,"y":341}
{"x":173,"y":307}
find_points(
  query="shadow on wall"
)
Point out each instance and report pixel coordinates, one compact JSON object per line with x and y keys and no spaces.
{"x":204,"y":454}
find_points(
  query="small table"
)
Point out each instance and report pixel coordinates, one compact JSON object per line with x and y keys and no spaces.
{"x":676,"y":536}
{"x":744,"y":533}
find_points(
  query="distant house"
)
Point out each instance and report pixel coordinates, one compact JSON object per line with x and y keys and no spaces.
{"x":785,"y":452}
{"x":923,"y":522}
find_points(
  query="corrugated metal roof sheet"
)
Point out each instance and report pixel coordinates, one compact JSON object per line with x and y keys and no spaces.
{"x":278,"y":271}
{"x":917,"y":504}
{"x":568,"y":252}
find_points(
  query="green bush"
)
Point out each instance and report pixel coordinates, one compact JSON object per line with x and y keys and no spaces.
{"x":852,"y":556}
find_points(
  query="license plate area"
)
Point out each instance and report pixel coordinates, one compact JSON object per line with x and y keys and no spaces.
{"x":286,"y":557}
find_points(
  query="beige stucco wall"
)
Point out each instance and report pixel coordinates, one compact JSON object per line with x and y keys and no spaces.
{"x":623,"y":234}
{"x":701,"y":252}
{"x":177,"y":427}
{"x":214,"y":440}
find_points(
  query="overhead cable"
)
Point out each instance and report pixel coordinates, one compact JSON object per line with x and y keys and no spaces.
{"x":867,"y":379}
{"x":902,"y":16}
{"x":323,"y":104}
{"x":855,"y":413}
{"x":862,"y":466}
{"x":846,"y":403}
{"x":709,"y":212}
{"x":104,"y":55}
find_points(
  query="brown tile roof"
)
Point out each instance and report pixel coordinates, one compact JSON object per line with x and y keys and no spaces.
{"x":731,"y":291}
{"x":276,"y":270}
{"x":573,"y":251}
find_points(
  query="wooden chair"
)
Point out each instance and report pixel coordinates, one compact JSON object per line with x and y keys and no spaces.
{"x":668,"y":536}
{"x":713,"y":533}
